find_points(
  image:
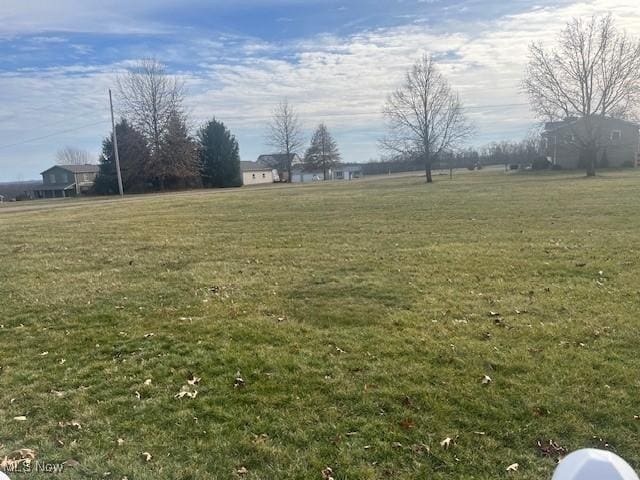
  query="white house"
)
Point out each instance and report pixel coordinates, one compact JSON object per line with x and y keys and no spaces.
{"x":300,"y":174}
{"x":347,"y":171}
{"x":256,"y":173}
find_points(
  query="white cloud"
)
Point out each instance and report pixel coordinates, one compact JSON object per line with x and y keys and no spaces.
{"x":342,"y":81}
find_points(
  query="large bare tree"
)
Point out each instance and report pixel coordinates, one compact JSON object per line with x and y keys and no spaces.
{"x":323,"y":153}
{"x":152,"y":100}
{"x":285,"y":134}
{"x":72,"y":156}
{"x":425,"y":116}
{"x":593,"y":73}
{"x":150,"y":97}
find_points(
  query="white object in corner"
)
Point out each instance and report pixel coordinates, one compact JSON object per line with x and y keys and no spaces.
{"x":592,"y":464}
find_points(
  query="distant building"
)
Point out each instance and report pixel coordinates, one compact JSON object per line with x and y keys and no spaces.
{"x":302,"y":174}
{"x":278,"y":161}
{"x":619,"y":141}
{"x":255,"y":173}
{"x":66,"y":181}
{"x":347,"y":171}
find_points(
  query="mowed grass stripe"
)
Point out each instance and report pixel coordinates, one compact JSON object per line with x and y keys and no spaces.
{"x":358,"y":315}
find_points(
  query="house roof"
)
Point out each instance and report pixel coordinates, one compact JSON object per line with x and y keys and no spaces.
{"x":348,"y":167}
{"x":276,"y":158}
{"x":552,"y":126}
{"x":247,"y":166}
{"x":86,"y":168}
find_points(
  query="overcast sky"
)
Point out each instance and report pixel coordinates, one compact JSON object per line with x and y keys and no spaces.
{"x":336,"y":61}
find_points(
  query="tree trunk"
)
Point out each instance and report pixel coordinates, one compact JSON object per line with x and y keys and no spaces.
{"x":591,"y":156}
{"x":427,"y":164}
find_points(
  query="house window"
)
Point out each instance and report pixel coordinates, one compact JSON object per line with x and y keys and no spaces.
{"x":85,"y":177}
{"x":264,"y":175}
{"x":52,"y":178}
{"x":253,"y":175}
{"x":339,"y":175}
{"x":616,"y":135}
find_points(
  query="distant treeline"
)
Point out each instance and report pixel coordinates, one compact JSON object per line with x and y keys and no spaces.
{"x":18,"y":190}
{"x":526,"y":152}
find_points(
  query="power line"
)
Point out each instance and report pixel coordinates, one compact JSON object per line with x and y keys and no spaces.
{"x":256,"y":117}
{"x":53,"y":134}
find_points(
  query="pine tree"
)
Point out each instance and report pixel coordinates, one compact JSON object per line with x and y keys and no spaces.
{"x":134,"y":156}
{"x":178,"y":165}
{"x":323,"y":154}
{"x":219,"y":156}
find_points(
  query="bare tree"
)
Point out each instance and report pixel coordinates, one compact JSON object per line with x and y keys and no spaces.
{"x":285,"y":134}
{"x":150,"y":97}
{"x":72,"y":156}
{"x":593,"y":73}
{"x":425,"y":117}
{"x":323,"y":152}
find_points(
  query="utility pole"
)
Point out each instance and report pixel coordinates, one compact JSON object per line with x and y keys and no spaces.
{"x":115,"y":147}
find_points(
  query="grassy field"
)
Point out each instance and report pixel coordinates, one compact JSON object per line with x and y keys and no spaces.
{"x":347,"y":326}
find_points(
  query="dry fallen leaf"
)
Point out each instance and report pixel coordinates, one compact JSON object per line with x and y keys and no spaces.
{"x":147,"y":381}
{"x":242,"y":471}
{"x":513,"y":467}
{"x":486,"y":380}
{"x":551,"y":449}
{"x":14,"y":460}
{"x":185,"y":393}
{"x":407,"y":424}
{"x":72,"y":423}
{"x":446,"y":443}
{"x":239,"y":381}
{"x":147,"y":456}
{"x":327,"y":473}
{"x":20,"y":418}
{"x":120,"y":442}
{"x":71,"y":463}
{"x":193,"y":380}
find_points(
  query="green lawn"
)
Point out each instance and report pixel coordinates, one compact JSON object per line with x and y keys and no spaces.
{"x":358,"y":315}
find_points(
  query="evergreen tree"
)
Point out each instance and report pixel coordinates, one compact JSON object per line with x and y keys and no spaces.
{"x":178,"y":164}
{"x":134,"y":156}
{"x":323,"y":154}
{"x":219,"y":156}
